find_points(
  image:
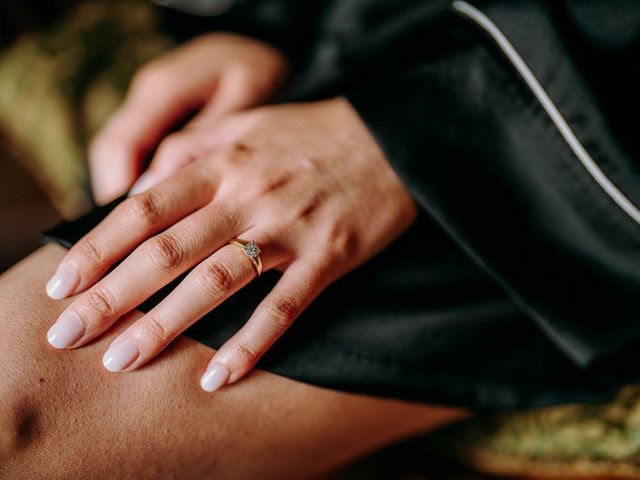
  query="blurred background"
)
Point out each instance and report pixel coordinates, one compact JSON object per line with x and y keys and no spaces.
{"x":65,"y":66}
{"x":24,"y":206}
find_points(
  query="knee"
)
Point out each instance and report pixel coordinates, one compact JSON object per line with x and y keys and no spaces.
{"x":19,"y":422}
{"x":34,"y":418}
{"x":60,"y":411}
{"x":19,"y":387}
{"x":27,"y":384}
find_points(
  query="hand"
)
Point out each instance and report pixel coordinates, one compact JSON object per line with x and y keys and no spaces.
{"x":306,"y":182}
{"x":215,"y":74}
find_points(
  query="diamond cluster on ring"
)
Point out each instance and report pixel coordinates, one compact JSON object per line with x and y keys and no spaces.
{"x":252,"y":250}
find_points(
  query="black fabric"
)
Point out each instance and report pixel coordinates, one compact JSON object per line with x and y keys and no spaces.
{"x":519,"y":284}
{"x":418,"y":322}
{"x":483,"y":157}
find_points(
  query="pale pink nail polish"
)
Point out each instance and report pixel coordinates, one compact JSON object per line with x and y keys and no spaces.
{"x":144,"y":182}
{"x":215,"y":377}
{"x":66,"y":331}
{"x":63,"y":282}
{"x":120,"y":355}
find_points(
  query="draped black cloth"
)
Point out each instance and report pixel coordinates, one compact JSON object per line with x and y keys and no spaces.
{"x":512,"y":124}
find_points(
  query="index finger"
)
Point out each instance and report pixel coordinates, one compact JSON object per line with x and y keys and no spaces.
{"x":128,"y":225}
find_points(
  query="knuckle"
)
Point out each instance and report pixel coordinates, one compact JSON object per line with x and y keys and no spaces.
{"x":89,"y":251}
{"x":237,"y":153}
{"x":273,"y":184}
{"x":216,"y":279}
{"x":343,"y":242}
{"x":280,"y":313}
{"x":155,"y":331}
{"x":165,"y":251}
{"x":243,"y":355}
{"x":144,"y":209}
{"x":307,"y":210}
{"x":100,"y":302}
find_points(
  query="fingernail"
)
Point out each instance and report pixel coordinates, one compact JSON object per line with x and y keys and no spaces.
{"x":66,"y":331}
{"x":120,"y":355}
{"x":215,"y":377}
{"x":145,"y":182}
{"x":63,"y":282}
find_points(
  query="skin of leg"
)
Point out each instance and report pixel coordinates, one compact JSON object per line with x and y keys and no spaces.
{"x":62,"y":415}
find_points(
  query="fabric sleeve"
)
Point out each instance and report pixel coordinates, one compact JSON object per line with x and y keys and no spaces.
{"x":489,"y":159}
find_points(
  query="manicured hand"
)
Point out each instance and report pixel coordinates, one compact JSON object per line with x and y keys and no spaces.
{"x":306,"y":182}
{"x":214,"y":74}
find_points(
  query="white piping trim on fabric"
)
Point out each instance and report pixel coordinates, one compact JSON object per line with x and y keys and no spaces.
{"x":523,"y":69}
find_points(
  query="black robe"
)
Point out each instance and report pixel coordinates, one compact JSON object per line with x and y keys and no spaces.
{"x":512,"y":124}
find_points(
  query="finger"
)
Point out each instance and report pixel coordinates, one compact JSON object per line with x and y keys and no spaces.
{"x":207,"y":286}
{"x":150,"y":267}
{"x":186,"y":146}
{"x":176,"y":151}
{"x":235,"y":91}
{"x":160,"y":95}
{"x":299,"y":285}
{"x":200,"y":135}
{"x":131,"y":222}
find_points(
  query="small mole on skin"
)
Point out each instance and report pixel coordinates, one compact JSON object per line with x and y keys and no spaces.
{"x":41,"y":380}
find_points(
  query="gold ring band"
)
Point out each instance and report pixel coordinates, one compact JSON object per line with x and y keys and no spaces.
{"x":252,"y":251}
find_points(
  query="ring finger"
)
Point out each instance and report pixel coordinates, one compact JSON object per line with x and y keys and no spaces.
{"x":209,"y":284}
